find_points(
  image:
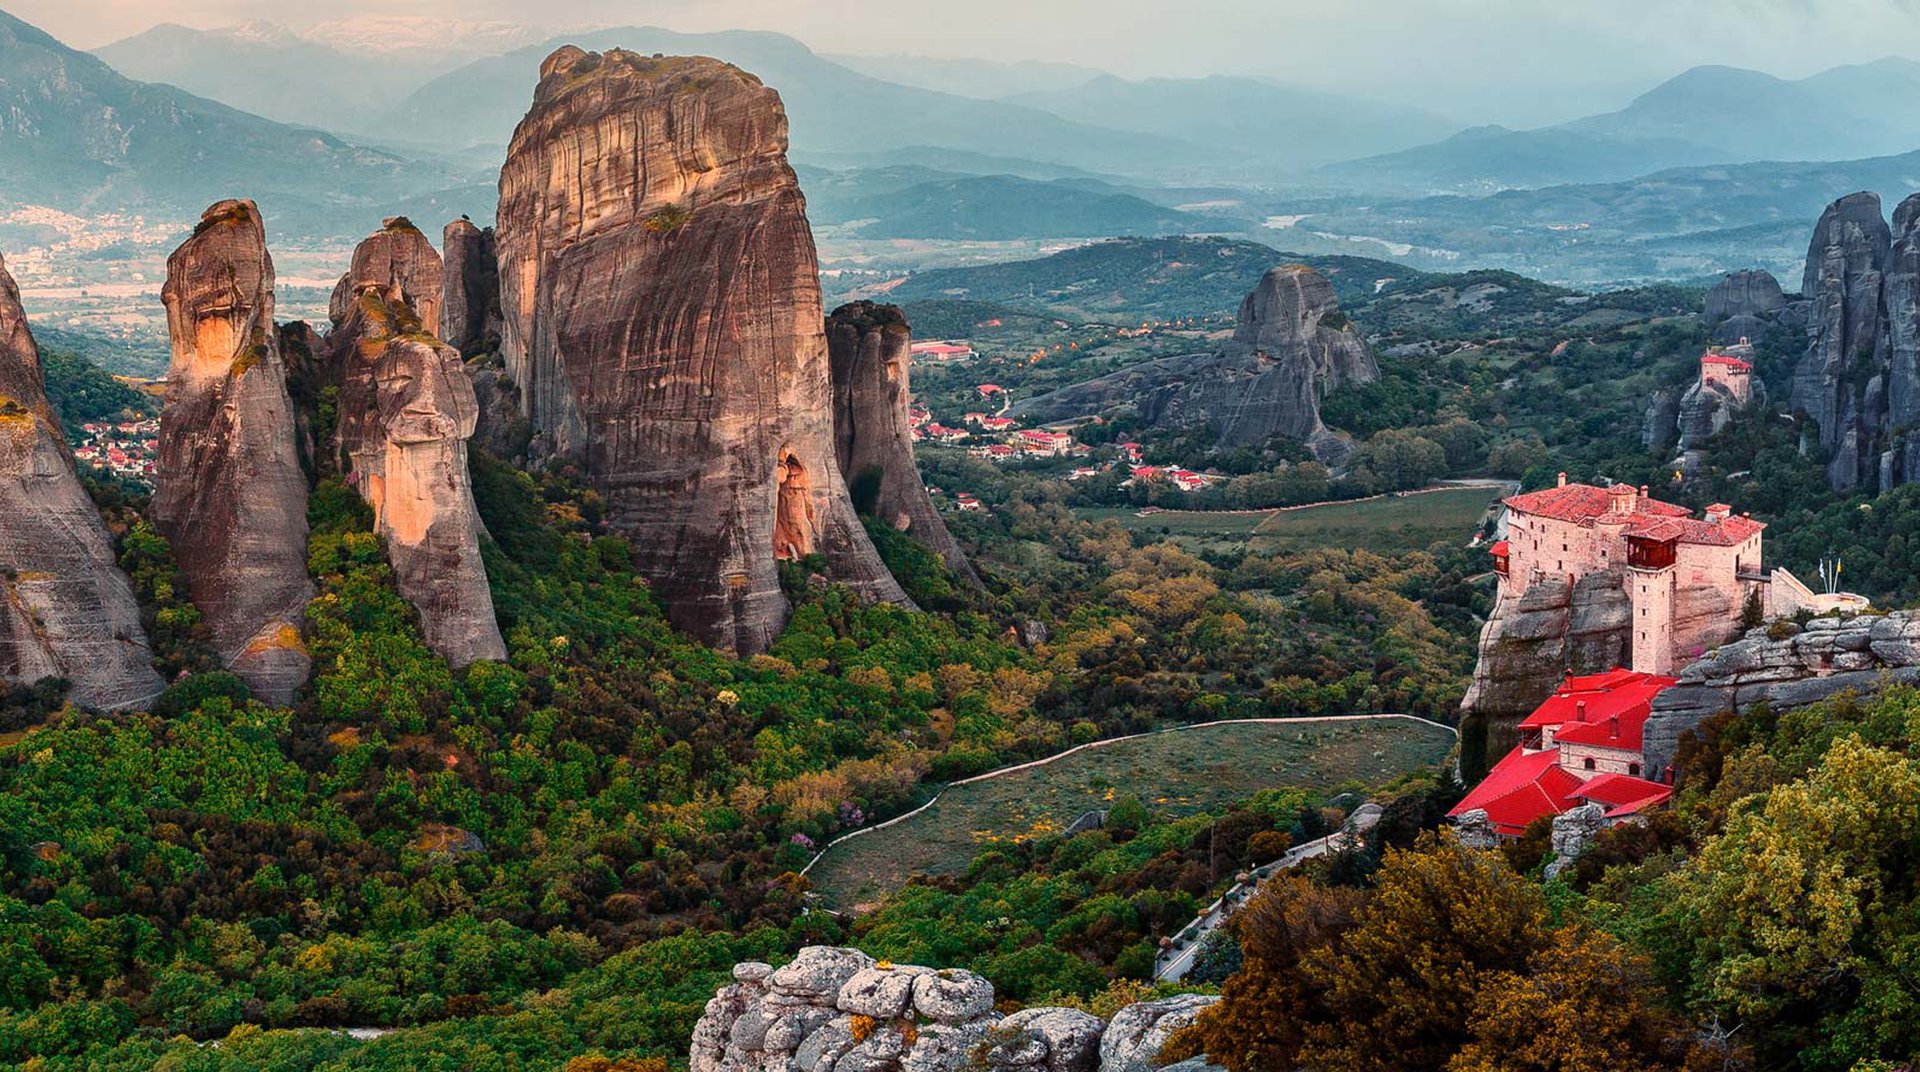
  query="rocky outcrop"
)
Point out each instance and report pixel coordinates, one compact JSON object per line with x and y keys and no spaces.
{"x":1743,"y":306}
{"x":406,"y":410}
{"x":1784,"y":666}
{"x":1707,"y":408}
{"x":1660,"y":428}
{"x":66,"y":610}
{"x":1138,"y":1032}
{"x":1573,"y":834}
{"x":1532,"y":641}
{"x":837,"y":1010}
{"x":1841,"y":382}
{"x":470,"y":289}
{"x":663,"y":323}
{"x":1900,"y":306}
{"x":869,"y":348}
{"x":1291,"y":347}
{"x":231,"y":496}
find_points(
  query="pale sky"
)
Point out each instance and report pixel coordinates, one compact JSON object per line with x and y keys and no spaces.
{"x":1477,"y":60}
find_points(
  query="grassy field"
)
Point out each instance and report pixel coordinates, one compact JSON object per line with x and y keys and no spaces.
{"x":1172,"y":773}
{"x":1409,"y":522}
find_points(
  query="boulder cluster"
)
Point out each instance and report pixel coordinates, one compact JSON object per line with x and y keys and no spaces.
{"x":1291,"y":347}
{"x":838,"y":1010}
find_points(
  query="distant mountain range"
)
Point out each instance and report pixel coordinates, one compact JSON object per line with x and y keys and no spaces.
{"x":84,"y":138}
{"x":1706,"y":115}
{"x":275,"y":73}
{"x":1255,"y":119}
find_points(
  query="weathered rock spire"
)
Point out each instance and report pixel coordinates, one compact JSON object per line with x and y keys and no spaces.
{"x":663,"y":322}
{"x":66,"y":610}
{"x":406,"y":413}
{"x":470,"y":294}
{"x":231,"y":495}
{"x":869,"y":347}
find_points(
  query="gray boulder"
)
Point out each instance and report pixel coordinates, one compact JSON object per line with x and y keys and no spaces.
{"x":1137,"y":1033}
{"x":1057,"y":1040}
{"x":952,"y":996}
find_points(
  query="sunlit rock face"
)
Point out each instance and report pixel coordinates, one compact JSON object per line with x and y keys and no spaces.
{"x":66,"y":610}
{"x":406,"y":411}
{"x":231,"y":495}
{"x":662,"y":321}
{"x":870,"y":351}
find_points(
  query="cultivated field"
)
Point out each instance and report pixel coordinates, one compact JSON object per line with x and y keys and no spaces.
{"x":1173,"y":773}
{"x":1403,"y":523}
{"x":1390,"y":523}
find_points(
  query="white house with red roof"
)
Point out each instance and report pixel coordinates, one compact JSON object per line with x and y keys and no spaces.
{"x":1687,"y":578}
{"x":1730,"y":367}
{"x":1583,"y":745}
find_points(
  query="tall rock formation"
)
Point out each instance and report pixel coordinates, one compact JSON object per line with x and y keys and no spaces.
{"x":1900,"y":305}
{"x":406,"y":410}
{"x":66,"y":610}
{"x":1841,"y":381}
{"x":1292,"y":346}
{"x":1532,"y":641}
{"x":470,"y":294}
{"x":231,"y":495}
{"x":1743,"y":305}
{"x":662,"y":319}
{"x":869,"y":348}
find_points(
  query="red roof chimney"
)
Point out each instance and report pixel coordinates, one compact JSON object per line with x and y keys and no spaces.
{"x":1563,"y":479}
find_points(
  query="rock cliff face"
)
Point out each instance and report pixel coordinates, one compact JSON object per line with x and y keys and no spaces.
{"x":1743,"y":305}
{"x":231,"y":495}
{"x":66,"y":610}
{"x":1841,"y":382}
{"x":1292,"y":346}
{"x":663,"y":323}
{"x":869,"y":351}
{"x":1530,"y":642}
{"x":1801,"y":667}
{"x":470,"y":291}
{"x":836,"y":1010}
{"x":406,"y":410}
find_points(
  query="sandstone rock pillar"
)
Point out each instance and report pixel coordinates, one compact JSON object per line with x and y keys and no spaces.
{"x":231,"y":495}
{"x":66,"y":610}
{"x":869,"y":348}
{"x":663,"y":322}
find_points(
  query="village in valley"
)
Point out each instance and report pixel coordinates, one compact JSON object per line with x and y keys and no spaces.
{"x":989,"y":433}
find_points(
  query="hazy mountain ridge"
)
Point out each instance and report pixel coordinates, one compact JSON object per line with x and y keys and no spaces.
{"x":90,"y":139}
{"x":1704,"y":115}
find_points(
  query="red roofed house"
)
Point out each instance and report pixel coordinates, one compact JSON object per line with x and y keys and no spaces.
{"x":1583,"y":745}
{"x":1730,"y":367}
{"x":1687,"y":578}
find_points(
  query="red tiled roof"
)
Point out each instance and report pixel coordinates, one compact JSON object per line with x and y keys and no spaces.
{"x":1623,"y":794}
{"x":1520,"y":788}
{"x":1727,"y":533}
{"x":1604,"y":695}
{"x":1499,"y":549}
{"x":1727,"y":360}
{"x":1582,"y":503}
{"x":1585,"y":504}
